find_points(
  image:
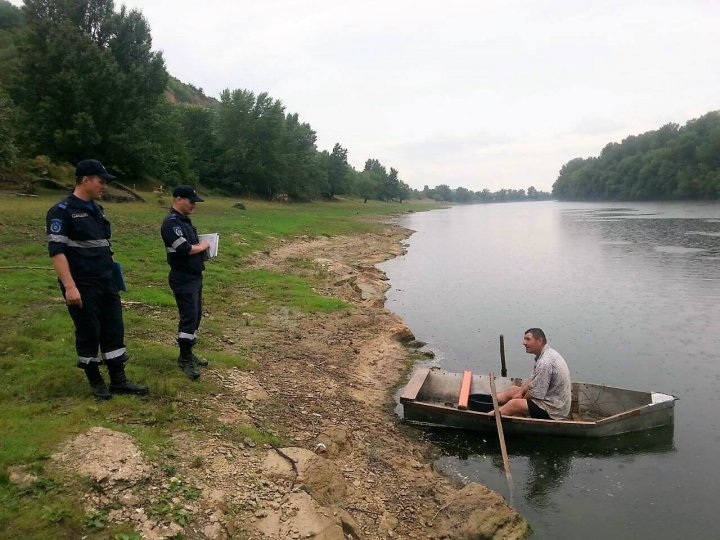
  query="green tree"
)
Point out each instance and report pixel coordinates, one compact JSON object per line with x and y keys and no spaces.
{"x":10,"y":16}
{"x":11,"y":21}
{"x":198,"y":130}
{"x":443,"y":193}
{"x":88,"y":82}
{"x":373,"y":165}
{"x":303,"y":177}
{"x":165,"y":155}
{"x":338,"y":171}
{"x":378,"y":174}
{"x":267,"y":162}
{"x":462,"y":195}
{"x":233,"y":129}
{"x":404,"y":191}
{"x":8,"y":150}
{"x":671,"y":162}
{"x":389,"y":185}
{"x":262,"y":150}
{"x":367,"y":184}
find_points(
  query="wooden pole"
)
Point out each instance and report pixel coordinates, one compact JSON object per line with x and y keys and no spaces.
{"x":501,"y":436}
{"x":503,"y":369}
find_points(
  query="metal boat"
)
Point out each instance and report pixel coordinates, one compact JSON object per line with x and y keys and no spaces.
{"x":439,"y":398}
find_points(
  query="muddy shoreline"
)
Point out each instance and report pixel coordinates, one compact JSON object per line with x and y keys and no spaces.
{"x":325,"y":382}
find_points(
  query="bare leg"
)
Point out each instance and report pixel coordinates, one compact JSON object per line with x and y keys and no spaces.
{"x":507,"y":395}
{"x":515,"y":407}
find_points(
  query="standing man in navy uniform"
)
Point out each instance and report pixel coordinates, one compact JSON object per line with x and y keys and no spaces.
{"x":186,"y":256}
{"x":79,"y":245}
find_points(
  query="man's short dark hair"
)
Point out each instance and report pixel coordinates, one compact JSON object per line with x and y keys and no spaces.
{"x":537,"y":333}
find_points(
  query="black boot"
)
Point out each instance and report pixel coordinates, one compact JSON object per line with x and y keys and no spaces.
{"x":185,"y":361}
{"x":199,"y":360}
{"x":119,"y":383}
{"x":99,"y":388}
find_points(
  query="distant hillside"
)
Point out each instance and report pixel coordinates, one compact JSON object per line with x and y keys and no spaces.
{"x":180,"y":92}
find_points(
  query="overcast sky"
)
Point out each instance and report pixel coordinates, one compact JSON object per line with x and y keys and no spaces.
{"x":474,"y":93}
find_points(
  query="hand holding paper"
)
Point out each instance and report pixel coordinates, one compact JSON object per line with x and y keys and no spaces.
{"x":214,"y":240}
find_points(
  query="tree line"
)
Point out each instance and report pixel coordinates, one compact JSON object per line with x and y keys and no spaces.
{"x":672,"y":162}
{"x":444,"y":193}
{"x":80,"y":79}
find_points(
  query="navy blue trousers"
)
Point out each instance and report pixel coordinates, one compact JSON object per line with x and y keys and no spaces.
{"x":98,"y":325}
{"x":187,"y":289}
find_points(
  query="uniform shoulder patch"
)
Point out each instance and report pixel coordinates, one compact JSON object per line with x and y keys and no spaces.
{"x":178,"y":231}
{"x":56,"y":225}
{"x":62,"y":205}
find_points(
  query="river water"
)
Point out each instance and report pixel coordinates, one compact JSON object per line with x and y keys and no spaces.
{"x":629,"y":294}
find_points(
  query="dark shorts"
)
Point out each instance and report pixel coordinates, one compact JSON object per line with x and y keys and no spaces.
{"x":536,"y":412}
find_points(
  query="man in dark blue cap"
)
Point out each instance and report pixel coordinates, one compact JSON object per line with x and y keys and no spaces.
{"x":79,"y":245}
{"x":185,"y":255}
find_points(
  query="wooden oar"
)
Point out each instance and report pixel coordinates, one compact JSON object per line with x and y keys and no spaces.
{"x":498,"y":422}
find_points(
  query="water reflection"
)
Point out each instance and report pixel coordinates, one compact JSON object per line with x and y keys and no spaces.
{"x":546,"y":465}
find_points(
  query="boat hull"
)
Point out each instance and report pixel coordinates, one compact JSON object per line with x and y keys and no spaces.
{"x":431,"y":398}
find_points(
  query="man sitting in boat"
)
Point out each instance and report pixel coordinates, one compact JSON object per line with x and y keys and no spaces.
{"x":546,"y":394}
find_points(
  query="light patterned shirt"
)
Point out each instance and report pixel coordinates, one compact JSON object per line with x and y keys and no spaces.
{"x":550,"y":384}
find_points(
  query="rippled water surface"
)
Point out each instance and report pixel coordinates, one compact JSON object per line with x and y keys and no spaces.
{"x":629,"y":294}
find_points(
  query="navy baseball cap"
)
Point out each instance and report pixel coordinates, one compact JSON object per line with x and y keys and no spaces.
{"x":92,"y":167}
{"x":187,"y":192}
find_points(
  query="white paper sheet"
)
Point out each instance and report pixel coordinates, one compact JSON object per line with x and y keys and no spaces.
{"x":214,"y":240}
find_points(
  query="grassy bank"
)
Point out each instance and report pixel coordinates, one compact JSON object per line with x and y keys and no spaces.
{"x":44,"y":399}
